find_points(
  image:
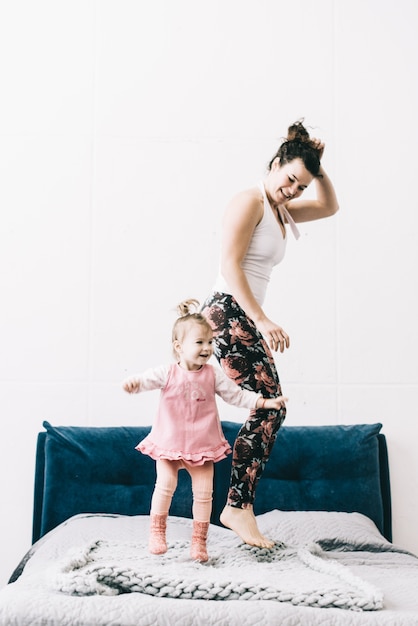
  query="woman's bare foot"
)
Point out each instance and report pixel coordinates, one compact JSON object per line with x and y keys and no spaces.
{"x":244,"y":524}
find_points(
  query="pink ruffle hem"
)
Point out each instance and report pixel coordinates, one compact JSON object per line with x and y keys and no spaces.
{"x":196,"y":458}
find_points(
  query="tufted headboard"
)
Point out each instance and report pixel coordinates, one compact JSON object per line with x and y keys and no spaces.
{"x":97,"y":470}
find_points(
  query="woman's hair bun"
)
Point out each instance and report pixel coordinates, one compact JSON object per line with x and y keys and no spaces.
{"x":299,"y":145}
{"x":297,"y":132}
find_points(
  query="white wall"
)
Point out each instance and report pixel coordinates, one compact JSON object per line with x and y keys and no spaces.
{"x":125,"y":126}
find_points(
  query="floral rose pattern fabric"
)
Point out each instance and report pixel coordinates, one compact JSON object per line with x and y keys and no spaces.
{"x":246,"y":358}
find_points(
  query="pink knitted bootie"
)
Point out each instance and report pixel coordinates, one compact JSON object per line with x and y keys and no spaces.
{"x":157,"y":542}
{"x":198,"y":548}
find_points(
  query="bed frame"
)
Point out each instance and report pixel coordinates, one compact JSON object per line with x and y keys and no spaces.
{"x":324,"y":499}
{"x":97,"y":470}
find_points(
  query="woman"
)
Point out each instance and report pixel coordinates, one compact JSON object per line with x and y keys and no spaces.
{"x":254,"y":236}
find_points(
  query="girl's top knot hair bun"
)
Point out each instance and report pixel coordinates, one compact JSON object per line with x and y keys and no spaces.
{"x":187,"y":307}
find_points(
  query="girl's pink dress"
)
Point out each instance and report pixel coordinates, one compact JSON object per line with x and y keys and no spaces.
{"x":187,"y":425}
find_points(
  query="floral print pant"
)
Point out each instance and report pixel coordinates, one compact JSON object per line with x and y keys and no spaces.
{"x":246,"y":358}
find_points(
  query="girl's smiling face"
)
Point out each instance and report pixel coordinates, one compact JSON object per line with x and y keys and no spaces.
{"x":196,"y":346}
{"x":288,"y":181}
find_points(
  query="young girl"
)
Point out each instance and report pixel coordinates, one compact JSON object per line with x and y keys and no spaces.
{"x":187,"y":431}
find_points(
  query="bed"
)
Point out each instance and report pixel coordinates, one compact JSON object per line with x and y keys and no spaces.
{"x":324,"y":499}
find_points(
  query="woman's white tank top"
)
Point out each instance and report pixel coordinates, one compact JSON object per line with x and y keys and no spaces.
{"x":266,"y":249}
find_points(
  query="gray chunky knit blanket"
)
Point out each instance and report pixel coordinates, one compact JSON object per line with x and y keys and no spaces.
{"x":303,"y":576}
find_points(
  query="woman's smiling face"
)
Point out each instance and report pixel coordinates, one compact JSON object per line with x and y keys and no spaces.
{"x":288,"y":181}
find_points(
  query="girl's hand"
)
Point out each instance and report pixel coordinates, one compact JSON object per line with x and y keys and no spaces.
{"x":275,"y":335}
{"x":131,"y":385}
{"x":272,"y":403}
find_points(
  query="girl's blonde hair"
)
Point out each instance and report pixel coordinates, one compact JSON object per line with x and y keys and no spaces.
{"x":188,"y":314}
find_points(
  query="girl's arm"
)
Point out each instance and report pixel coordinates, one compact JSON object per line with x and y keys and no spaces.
{"x":231,"y":393}
{"x":153,"y":378}
{"x":272,"y":403}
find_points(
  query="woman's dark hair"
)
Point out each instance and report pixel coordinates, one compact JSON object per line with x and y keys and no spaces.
{"x":298,"y":145}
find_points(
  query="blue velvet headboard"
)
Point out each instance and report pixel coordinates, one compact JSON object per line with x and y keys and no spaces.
{"x":97,"y":470}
